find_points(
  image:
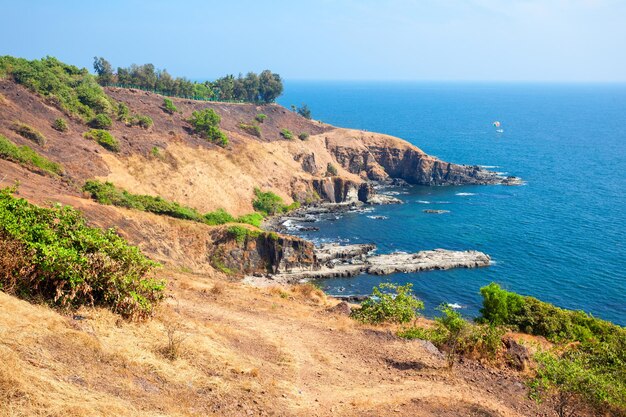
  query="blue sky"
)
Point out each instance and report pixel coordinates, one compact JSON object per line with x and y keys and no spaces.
{"x":483,"y":40}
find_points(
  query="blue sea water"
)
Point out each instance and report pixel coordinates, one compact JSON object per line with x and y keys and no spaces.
{"x":559,"y":238}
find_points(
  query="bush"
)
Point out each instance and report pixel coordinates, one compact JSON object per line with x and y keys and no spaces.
{"x":260,"y":117}
{"x":241,"y":233}
{"x":206,"y":124}
{"x":219,"y":216}
{"x":169,"y":106}
{"x":72,"y":89}
{"x":268,"y":203}
{"x":101,"y":121}
{"x":56,"y":257}
{"x":303,"y":136}
{"x":123,"y":112}
{"x":60,"y":125}
{"x":26,"y":156}
{"x":304,"y":111}
{"x":107,"y":193}
{"x":29,"y":133}
{"x":331,"y":170}
{"x":389,"y":303}
{"x":254,"y":219}
{"x":141,"y":121}
{"x":253,"y":130}
{"x":286,"y":133}
{"x":589,"y":359}
{"x":104,"y":138}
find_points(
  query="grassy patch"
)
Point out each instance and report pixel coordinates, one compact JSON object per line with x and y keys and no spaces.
{"x":104,"y":138}
{"x":269,"y":204}
{"x":26,"y":156}
{"x":286,"y":133}
{"x":60,"y":125}
{"x":251,"y":129}
{"x":260,"y":117}
{"x":29,"y":133}
{"x":51,"y":254}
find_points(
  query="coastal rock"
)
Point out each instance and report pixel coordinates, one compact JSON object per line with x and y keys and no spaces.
{"x":426,"y":261}
{"x":431,"y":211}
{"x":517,"y":355}
{"x":342,"y":308}
{"x":333,"y":251}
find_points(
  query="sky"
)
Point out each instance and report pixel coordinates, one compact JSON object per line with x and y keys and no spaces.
{"x":430,"y":40}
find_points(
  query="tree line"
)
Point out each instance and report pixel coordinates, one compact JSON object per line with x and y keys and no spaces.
{"x":254,"y":88}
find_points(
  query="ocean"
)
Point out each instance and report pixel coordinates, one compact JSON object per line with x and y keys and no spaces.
{"x":559,"y":237}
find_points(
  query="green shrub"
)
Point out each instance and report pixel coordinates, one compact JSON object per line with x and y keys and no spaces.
{"x":253,"y":219}
{"x":260,"y":117}
{"x":286,"y":133}
{"x":303,"y":136}
{"x":253,"y":130}
{"x":331,"y":170}
{"x":72,"y":89}
{"x":241,"y":233}
{"x":589,"y":359}
{"x":141,"y":121}
{"x":123,"y":113}
{"x":29,"y":133}
{"x":267,"y":203}
{"x":219,"y":216}
{"x":26,"y":156}
{"x":304,"y":111}
{"x":389,"y":303}
{"x":51,"y":254}
{"x":156,"y":152}
{"x":206,"y":124}
{"x":101,"y":121}
{"x":60,"y":125}
{"x":107,"y":193}
{"x":169,"y":106}
{"x":104,"y":138}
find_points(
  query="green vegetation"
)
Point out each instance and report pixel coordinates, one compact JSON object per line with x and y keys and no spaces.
{"x":260,"y":117}
{"x":141,"y":121}
{"x":251,"y":129}
{"x":304,"y":111}
{"x":254,"y":219}
{"x":264,"y":87}
{"x":28,"y":132}
{"x":589,"y":360}
{"x":104,"y":138}
{"x":60,"y":125}
{"x":101,"y":121}
{"x":389,"y":303}
{"x":26,"y":156}
{"x":72,"y":89}
{"x":108,"y":193}
{"x":303,"y":136}
{"x":51,"y":254}
{"x":286,"y":133}
{"x":269,"y":204}
{"x":206,"y":124}
{"x":169,"y":106}
{"x":123,"y":113}
{"x":331,"y":170}
{"x":241,"y":233}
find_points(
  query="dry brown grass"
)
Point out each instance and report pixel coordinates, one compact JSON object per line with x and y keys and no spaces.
{"x":240,"y":351}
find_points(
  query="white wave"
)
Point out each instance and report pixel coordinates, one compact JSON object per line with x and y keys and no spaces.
{"x":455,"y":306}
{"x":378,"y":217}
{"x":465,"y":194}
{"x":489,"y":166}
{"x":423,"y":202}
{"x":442,"y":202}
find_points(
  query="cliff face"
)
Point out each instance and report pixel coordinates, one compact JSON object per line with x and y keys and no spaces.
{"x":260,"y":253}
{"x":381,"y":157}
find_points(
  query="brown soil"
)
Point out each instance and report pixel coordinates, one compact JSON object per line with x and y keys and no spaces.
{"x":243,"y":351}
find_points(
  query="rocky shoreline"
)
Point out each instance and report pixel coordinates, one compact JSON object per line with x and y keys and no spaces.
{"x":334,"y":260}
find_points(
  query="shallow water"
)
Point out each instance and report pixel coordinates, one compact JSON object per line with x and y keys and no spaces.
{"x":560,"y":237}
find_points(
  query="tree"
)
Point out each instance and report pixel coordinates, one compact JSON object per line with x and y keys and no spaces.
{"x":251,"y":85}
{"x":104,"y":70}
{"x":270,"y":86}
{"x":304,"y":111}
